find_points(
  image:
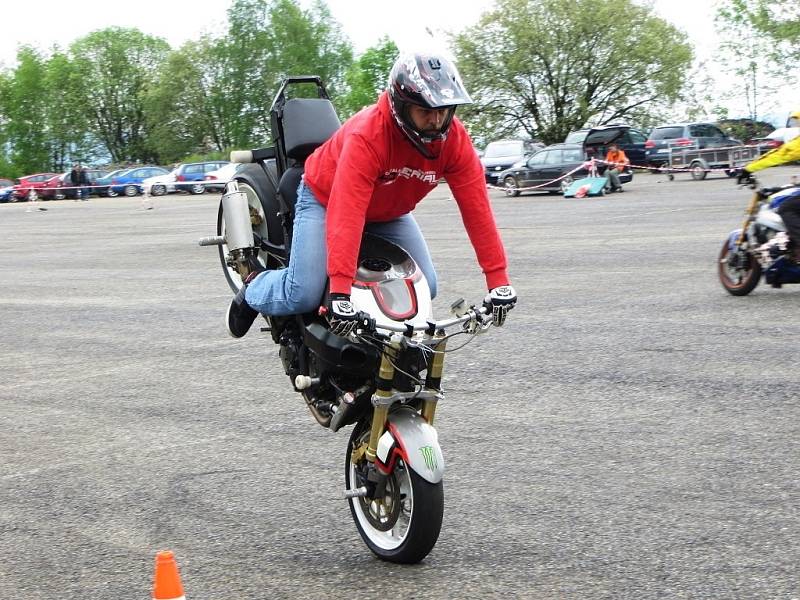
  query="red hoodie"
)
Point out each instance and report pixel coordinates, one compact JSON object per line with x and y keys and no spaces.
{"x":369,"y":171}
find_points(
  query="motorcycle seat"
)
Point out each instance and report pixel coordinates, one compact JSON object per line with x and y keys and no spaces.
{"x":306,"y":123}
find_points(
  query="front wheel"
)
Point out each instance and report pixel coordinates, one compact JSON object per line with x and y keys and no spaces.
{"x":403,"y":524}
{"x":196,"y":189}
{"x":511,"y":186}
{"x":739,"y":271}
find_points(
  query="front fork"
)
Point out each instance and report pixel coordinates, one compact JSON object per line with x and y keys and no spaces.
{"x":384,"y":395}
{"x":752,"y":208}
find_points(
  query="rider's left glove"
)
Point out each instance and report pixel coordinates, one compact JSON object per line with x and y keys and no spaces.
{"x":342,"y":315}
{"x":499,"y":301}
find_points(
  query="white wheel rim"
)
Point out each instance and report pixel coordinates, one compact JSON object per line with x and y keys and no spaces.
{"x":394,"y":537}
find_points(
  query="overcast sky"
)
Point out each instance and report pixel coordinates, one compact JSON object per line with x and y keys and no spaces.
{"x":43,"y":23}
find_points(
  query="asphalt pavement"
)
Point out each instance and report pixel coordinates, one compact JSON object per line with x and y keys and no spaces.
{"x":632,"y":432}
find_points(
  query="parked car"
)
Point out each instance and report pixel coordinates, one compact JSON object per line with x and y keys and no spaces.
{"x":774,"y":139}
{"x":549,"y":168}
{"x":129,"y":182}
{"x":630,"y":140}
{"x":664,"y":138}
{"x":102,"y":184}
{"x":502,"y":154}
{"x":215,"y":180}
{"x":24,"y":185}
{"x":160,"y":184}
{"x":60,"y":186}
{"x":189,"y":177}
{"x":6,"y":189}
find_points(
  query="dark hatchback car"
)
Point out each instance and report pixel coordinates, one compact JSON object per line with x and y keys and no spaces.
{"x":502,"y":154}
{"x":551,"y":170}
{"x":664,"y":138}
{"x":630,"y":140}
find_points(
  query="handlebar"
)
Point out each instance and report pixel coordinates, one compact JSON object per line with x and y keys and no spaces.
{"x":479,"y":315}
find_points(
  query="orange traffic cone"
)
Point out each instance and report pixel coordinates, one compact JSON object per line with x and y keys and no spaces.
{"x":167,"y":582}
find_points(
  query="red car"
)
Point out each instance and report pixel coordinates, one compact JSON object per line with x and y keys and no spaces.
{"x":30,"y":182}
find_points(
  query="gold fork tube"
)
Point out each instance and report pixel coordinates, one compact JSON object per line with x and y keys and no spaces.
{"x":380,"y":411}
{"x":751,"y":210}
{"x":433,"y":380}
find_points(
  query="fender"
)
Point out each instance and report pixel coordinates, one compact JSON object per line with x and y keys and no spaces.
{"x":767,"y":217}
{"x":732,"y":237}
{"x":409,"y":437}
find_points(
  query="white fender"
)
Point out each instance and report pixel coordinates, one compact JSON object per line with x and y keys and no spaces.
{"x":417,"y":442}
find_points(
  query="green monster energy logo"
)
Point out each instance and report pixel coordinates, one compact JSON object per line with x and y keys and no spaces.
{"x":429,"y":457}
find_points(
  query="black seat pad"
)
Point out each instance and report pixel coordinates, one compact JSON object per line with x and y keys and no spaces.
{"x":288,"y":188}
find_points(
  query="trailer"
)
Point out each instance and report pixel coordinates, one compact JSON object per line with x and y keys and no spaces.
{"x":699,"y":162}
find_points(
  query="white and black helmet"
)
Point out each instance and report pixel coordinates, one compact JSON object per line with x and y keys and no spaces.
{"x":429,"y":81}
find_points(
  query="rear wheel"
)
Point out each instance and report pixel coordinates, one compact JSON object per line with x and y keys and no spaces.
{"x":739,"y":271}
{"x":158,"y":190}
{"x":511,"y":186}
{"x":130,"y":190}
{"x":565,"y":183}
{"x":196,"y":189}
{"x":403,"y":524}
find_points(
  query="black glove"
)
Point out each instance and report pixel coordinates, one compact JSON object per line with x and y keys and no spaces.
{"x":745,"y":177}
{"x":499,"y":301}
{"x":342,"y":315}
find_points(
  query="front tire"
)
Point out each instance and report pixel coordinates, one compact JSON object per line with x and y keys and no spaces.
{"x":739,"y":272}
{"x":197,"y":189}
{"x":404,"y":524}
{"x":511,"y":186}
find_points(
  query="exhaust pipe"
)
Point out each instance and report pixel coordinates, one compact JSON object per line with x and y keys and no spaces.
{"x":236,"y":212}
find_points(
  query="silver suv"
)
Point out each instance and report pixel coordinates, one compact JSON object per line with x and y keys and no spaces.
{"x":664,"y":138}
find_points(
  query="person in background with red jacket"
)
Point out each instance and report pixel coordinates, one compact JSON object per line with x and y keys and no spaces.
{"x":369,"y":176}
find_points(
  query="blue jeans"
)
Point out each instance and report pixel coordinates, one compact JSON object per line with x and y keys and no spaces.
{"x":300,"y":286}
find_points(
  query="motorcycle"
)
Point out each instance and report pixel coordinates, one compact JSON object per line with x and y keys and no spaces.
{"x":761,"y":245}
{"x":385,"y":378}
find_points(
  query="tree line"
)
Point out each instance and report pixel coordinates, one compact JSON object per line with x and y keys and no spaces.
{"x":534,"y":67}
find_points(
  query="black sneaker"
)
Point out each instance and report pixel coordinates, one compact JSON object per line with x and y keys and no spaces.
{"x":240,"y":314}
